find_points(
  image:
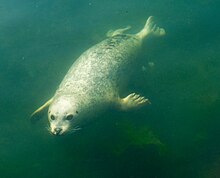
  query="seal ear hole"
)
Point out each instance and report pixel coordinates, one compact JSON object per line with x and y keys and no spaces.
{"x":52,"y":117}
{"x":77,"y":112}
{"x":69,"y":117}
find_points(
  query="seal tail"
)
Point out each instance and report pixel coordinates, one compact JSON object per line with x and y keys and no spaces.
{"x":150,"y":28}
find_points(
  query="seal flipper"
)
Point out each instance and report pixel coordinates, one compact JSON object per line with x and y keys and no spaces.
{"x":119,"y":31}
{"x":131,"y":101}
{"x":150,"y":28}
{"x":35,"y":114}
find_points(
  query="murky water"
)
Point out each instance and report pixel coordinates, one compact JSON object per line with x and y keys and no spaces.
{"x":176,"y":136}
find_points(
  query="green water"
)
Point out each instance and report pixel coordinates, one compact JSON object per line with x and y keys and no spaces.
{"x":177,"y":136}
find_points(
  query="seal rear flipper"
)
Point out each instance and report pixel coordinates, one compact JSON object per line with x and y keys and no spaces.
{"x":150,"y":28}
{"x":119,"y":31}
{"x":132,"y":101}
{"x":35,"y":116}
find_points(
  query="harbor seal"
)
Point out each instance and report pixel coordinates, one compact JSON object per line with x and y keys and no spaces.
{"x":96,"y":79}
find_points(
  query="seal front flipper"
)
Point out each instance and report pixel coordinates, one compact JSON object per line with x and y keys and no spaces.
{"x":131,"y":101}
{"x":36,"y":114}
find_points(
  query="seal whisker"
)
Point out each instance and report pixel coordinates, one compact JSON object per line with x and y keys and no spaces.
{"x":77,"y":128}
{"x":50,"y":133}
{"x":70,"y":132}
{"x":48,"y":128}
{"x":74,"y":130}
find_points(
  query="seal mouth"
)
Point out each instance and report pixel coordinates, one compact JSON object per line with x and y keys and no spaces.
{"x":61,"y":131}
{"x":55,"y":134}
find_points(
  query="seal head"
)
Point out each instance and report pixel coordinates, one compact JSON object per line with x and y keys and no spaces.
{"x":61,"y":115}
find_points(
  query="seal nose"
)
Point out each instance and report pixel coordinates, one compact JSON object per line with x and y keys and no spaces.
{"x":57,"y":131}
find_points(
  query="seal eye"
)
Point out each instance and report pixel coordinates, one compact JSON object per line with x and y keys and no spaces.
{"x":69,"y":117}
{"x":52,"y":117}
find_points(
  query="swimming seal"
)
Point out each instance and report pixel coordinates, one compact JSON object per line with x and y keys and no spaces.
{"x":96,"y":79}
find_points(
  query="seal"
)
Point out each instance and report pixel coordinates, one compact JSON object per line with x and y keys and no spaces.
{"x":97,"y":80}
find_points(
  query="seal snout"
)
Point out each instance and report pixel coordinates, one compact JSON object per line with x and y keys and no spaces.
{"x":57,"y":131}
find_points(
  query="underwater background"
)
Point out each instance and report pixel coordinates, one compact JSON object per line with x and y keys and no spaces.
{"x":177,"y":136}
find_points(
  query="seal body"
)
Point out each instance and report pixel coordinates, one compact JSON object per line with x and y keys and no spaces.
{"x":95,"y":80}
{"x":97,"y":76}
